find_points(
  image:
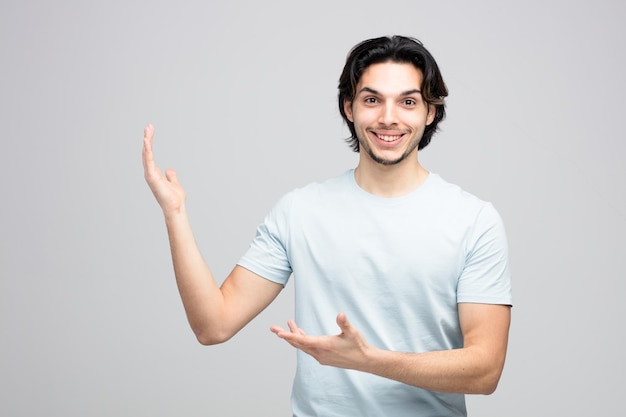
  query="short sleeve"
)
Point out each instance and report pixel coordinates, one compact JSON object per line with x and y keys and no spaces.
{"x":267,"y":255}
{"x":486,"y":276}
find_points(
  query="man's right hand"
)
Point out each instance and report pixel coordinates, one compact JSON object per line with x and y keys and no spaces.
{"x":168,"y":192}
{"x":215,"y":314}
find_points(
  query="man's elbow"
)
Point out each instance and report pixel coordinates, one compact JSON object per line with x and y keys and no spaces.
{"x":488,"y":388}
{"x":211,"y":337}
{"x":488,"y":384}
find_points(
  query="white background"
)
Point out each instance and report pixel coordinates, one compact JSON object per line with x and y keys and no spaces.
{"x":243,"y":97}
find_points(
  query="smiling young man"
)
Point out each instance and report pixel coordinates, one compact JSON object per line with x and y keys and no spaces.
{"x":389,"y":118}
{"x":402,"y":282}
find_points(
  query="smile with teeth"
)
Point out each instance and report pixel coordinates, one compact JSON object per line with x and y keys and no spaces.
{"x":388,"y":138}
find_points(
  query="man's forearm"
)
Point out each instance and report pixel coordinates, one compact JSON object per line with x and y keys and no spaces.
{"x":473,"y":369}
{"x":201,"y":296}
{"x":466,"y":370}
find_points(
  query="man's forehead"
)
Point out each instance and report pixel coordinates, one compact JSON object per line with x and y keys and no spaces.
{"x":390,"y":78}
{"x":369,"y":90}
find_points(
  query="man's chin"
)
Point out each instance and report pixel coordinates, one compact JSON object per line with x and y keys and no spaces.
{"x":385,"y":161}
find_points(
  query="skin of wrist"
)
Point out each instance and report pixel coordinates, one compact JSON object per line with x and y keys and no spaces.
{"x":175,"y":214}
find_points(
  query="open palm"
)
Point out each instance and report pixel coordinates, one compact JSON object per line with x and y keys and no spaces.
{"x":169,"y":193}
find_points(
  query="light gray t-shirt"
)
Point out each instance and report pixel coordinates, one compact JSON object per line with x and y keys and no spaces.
{"x":396,"y":266}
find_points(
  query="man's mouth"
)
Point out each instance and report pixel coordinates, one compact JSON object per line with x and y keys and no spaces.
{"x":388,"y":138}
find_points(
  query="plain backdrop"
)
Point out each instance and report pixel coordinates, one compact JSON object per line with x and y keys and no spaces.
{"x":243,"y":98}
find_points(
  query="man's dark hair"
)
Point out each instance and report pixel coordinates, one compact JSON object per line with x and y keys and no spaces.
{"x":399,"y":49}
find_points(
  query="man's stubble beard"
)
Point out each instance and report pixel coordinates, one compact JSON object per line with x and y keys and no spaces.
{"x":363,"y":145}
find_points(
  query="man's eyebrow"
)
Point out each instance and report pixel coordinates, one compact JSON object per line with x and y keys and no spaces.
{"x":404,"y":93}
{"x":409,"y":92}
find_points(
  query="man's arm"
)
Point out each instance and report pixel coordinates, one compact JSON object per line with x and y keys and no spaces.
{"x":214,"y":313}
{"x":473,"y":369}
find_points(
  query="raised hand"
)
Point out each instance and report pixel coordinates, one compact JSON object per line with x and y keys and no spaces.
{"x":345,"y":350}
{"x":166,"y":188}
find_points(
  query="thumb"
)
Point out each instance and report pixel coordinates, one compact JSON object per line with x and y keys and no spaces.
{"x":343,"y":323}
{"x":171,"y":176}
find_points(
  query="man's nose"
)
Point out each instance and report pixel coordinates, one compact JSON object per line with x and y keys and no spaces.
{"x":388,"y":114}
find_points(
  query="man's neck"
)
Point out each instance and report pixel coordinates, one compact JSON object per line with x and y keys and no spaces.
{"x":389,"y":180}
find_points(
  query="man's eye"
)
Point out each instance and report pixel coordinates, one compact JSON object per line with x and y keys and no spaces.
{"x":410,"y":102}
{"x":370,"y":100}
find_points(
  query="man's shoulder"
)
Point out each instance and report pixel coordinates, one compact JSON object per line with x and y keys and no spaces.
{"x":313,"y":193}
{"x":455,"y":196}
{"x":338,"y":183}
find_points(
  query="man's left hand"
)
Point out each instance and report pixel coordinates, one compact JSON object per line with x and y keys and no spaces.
{"x":347,"y":350}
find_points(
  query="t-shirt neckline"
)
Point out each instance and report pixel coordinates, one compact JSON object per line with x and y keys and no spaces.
{"x":390,"y":200}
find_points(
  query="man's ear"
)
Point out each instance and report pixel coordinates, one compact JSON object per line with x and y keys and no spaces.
{"x":432,"y":111}
{"x":347,"y":108}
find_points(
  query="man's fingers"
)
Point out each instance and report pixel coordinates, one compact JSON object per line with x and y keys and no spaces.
{"x":294,"y":328}
{"x":148,"y":157}
{"x":284,"y":333}
{"x":276,"y":329}
{"x":342,"y":322}
{"x":151,"y":171}
{"x":148,"y":132}
{"x":149,"y":129}
{"x":171,"y":176}
{"x":148,"y":137}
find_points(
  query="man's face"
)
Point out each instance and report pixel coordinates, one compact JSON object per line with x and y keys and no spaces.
{"x":388,"y":112}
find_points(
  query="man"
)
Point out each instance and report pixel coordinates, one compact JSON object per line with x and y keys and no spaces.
{"x":411,"y":270}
